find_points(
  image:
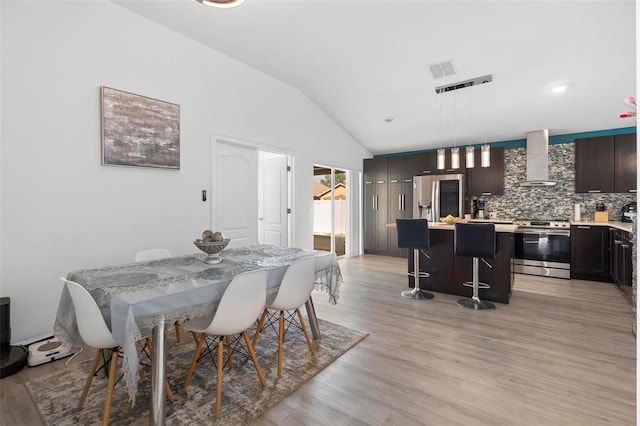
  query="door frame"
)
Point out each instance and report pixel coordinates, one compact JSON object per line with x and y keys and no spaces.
{"x":214,"y":139}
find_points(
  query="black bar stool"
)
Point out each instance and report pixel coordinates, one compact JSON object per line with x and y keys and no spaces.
{"x":414,"y":234}
{"x":477,"y":240}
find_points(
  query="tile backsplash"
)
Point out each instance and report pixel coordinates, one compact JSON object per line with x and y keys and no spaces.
{"x":554,"y":202}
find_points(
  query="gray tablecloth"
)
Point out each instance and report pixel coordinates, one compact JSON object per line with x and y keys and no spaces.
{"x":135,"y":297}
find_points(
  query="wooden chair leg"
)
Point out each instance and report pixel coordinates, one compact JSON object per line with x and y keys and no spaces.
{"x":227,"y":340}
{"x":280,"y":341}
{"x":306,"y":335}
{"x":167,"y":390}
{"x":192,"y":367}
{"x":87,"y":383}
{"x":112,"y":381}
{"x":259,"y":329}
{"x":195,"y":337}
{"x":254,"y":358}
{"x":219,"y":378}
{"x":177,"y":329}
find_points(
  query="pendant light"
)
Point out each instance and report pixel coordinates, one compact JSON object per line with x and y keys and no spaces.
{"x":455,"y":152}
{"x":441,"y":155}
{"x":469,"y":160}
{"x":440,"y":159}
{"x":455,"y":158}
{"x":485,"y":154}
{"x":225,"y":4}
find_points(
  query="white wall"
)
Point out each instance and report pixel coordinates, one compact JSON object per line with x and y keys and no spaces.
{"x":62,"y":210}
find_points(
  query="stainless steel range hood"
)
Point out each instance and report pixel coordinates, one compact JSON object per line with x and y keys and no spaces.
{"x":538,"y":159}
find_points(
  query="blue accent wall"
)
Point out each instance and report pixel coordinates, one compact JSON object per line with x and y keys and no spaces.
{"x":522,"y":143}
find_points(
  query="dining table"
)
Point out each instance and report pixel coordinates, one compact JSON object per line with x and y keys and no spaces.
{"x":140,"y":299}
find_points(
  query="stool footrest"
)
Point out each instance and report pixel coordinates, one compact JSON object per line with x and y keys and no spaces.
{"x":480,"y":285}
{"x":420,"y":274}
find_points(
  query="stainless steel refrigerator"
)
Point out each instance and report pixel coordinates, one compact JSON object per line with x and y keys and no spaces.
{"x":436,"y":196}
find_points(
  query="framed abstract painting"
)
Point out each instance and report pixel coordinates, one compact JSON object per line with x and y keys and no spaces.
{"x":139,"y":131}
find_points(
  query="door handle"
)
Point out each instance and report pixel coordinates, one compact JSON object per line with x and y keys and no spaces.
{"x":399,"y":201}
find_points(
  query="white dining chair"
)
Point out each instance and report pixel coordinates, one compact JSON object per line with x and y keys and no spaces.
{"x":152,"y":254}
{"x":294,"y":291}
{"x":95,"y":333}
{"x":241,"y":304}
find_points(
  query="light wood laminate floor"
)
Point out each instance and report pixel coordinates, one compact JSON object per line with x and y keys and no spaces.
{"x":561,"y":353}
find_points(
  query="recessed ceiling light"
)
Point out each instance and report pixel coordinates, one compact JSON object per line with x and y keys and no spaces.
{"x":558,"y":88}
{"x":221,"y":3}
{"x":388,"y":119}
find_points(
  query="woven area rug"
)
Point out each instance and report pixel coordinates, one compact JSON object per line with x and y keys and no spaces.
{"x":243,"y":399}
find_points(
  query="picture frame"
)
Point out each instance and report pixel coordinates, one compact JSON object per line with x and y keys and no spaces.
{"x":139,"y":131}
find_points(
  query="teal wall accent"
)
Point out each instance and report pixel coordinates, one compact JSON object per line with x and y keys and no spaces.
{"x":522,"y":143}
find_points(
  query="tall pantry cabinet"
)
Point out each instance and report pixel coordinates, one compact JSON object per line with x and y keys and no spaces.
{"x":375,"y":206}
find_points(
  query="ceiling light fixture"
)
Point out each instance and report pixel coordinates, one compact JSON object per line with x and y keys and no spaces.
{"x":223,"y":4}
{"x":558,"y":88}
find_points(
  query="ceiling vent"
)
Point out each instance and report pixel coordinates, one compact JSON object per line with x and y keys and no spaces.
{"x":443,"y":69}
{"x":467,"y":83}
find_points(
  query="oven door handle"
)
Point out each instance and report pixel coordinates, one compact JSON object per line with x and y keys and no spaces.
{"x":555,"y":233}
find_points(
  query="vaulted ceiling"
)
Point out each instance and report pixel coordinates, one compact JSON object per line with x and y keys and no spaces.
{"x":365,"y":63}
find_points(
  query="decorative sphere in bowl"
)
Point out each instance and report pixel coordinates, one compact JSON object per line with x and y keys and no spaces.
{"x":212,"y":249}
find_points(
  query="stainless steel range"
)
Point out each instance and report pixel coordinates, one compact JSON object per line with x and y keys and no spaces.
{"x":543,"y":247}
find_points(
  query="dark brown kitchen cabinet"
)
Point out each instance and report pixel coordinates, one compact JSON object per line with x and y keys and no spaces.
{"x":400,"y":206}
{"x":621,"y":260}
{"x":375,"y":170}
{"x":606,"y":164}
{"x":590,"y":253}
{"x":625,"y":163}
{"x":485,"y":181}
{"x":594,"y":165}
{"x":424,"y":163}
{"x":375,"y":218}
{"x":399,"y":198}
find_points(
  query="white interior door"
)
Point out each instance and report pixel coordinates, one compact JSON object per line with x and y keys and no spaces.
{"x":235,"y":205}
{"x":272,"y":200}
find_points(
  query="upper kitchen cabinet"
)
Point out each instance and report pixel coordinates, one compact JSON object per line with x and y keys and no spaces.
{"x":401,"y":169}
{"x":485,"y":181}
{"x":424,"y":163}
{"x":606,"y":164}
{"x":594,"y":164}
{"x":625,"y":163}
{"x":375,"y":170}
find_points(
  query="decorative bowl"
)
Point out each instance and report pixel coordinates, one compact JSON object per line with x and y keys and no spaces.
{"x":212,"y":249}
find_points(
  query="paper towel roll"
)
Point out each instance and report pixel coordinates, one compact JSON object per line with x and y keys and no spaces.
{"x":576,"y":215}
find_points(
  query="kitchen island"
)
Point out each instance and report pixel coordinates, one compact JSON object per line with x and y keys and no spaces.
{"x":448,"y":271}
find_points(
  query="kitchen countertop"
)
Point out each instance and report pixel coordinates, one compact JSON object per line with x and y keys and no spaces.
{"x":503,"y":225}
{"x":623,"y":226}
{"x":500,"y":227}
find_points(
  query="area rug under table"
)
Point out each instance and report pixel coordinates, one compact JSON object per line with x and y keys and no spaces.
{"x":243,"y":399}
